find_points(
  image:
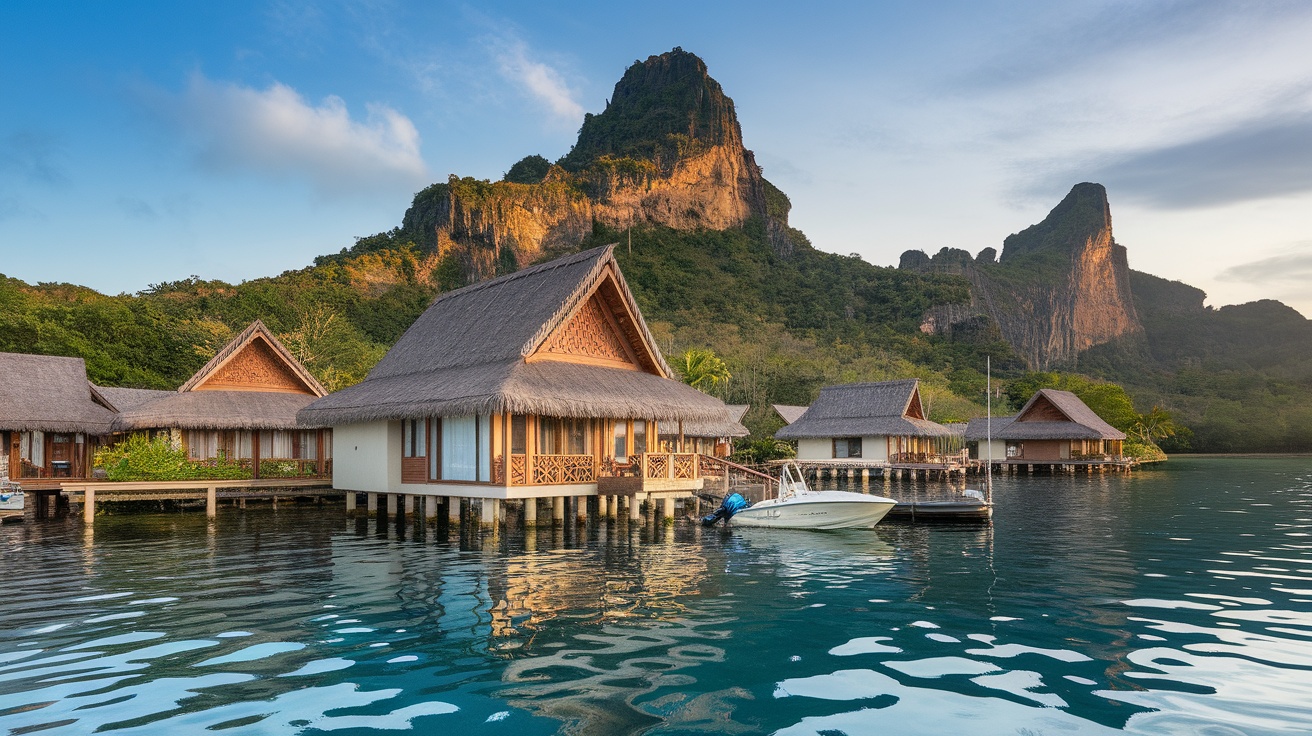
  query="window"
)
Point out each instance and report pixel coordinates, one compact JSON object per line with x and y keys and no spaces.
{"x":518,"y":435}
{"x":847,"y":447}
{"x":576,"y":436}
{"x":549,"y":440}
{"x":201,"y":444}
{"x":306,"y":446}
{"x":413,"y":437}
{"x":463,"y":447}
{"x":639,"y":436}
{"x":621,"y":441}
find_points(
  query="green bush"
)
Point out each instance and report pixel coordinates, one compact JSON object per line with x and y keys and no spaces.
{"x":141,"y":458}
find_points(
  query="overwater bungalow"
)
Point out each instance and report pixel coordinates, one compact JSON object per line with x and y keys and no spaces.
{"x":711,"y":438}
{"x":1053,"y":427}
{"x":240,"y":406}
{"x":52,"y":418}
{"x":544,"y":383}
{"x":869,"y":425}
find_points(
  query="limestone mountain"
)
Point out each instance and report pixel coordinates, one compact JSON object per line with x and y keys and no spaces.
{"x":667,"y":150}
{"x":1061,"y":287}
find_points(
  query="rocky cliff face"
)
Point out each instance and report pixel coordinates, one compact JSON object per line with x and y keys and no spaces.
{"x":667,"y":150}
{"x":1061,"y":287}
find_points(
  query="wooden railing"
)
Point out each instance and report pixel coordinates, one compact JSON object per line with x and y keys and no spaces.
{"x":681,"y":465}
{"x":557,"y":469}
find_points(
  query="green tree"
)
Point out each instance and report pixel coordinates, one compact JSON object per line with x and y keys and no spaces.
{"x":701,"y":368}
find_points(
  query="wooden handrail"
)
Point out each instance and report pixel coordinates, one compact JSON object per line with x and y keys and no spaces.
{"x":741,"y":468}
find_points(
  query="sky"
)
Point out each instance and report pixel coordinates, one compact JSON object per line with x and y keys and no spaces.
{"x":146,"y":142}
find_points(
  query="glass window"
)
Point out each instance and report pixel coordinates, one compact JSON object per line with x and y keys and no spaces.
{"x":549,"y":441}
{"x":306,"y":446}
{"x":244,"y":445}
{"x":202,"y":444}
{"x":576,"y":436}
{"x":639,"y":436}
{"x":621,"y":441}
{"x":484,"y":434}
{"x":413,"y":440}
{"x":518,"y":435}
{"x":460,"y":448}
{"x":847,"y":447}
{"x":327,"y":444}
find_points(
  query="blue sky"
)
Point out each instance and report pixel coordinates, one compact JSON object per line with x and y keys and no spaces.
{"x":147,"y":142}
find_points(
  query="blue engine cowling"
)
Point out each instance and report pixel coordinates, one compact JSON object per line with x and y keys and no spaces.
{"x":732,"y":504}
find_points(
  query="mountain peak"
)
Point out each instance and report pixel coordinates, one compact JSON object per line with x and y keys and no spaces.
{"x":665,"y":109}
{"x":1083,"y":216}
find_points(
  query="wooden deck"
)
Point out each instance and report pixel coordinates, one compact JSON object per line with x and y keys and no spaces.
{"x":185,"y":490}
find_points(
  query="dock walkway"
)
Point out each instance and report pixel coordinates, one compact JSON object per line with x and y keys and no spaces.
{"x":185,"y":490}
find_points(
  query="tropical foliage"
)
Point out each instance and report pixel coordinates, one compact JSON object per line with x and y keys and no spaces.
{"x":139,"y":457}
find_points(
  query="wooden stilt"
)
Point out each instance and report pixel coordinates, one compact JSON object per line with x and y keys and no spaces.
{"x":89,"y":506}
{"x":530,"y":512}
{"x":558,"y":510}
{"x":350,"y":502}
{"x":211,"y":502}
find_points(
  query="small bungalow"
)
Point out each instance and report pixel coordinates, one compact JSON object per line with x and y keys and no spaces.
{"x":789,"y":413}
{"x":52,"y":418}
{"x":868,"y":424}
{"x":1055,"y":426}
{"x":240,"y":406}
{"x":978,"y":432}
{"x":541,"y":383}
{"x":711,"y":438}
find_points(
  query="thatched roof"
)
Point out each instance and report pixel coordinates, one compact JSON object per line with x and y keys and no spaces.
{"x":731,"y":427}
{"x":466,"y":354}
{"x":215,"y":410}
{"x":978,"y":429}
{"x":886,"y":408}
{"x":790,"y":413}
{"x":50,"y":393}
{"x":256,"y":331}
{"x":196,"y":406}
{"x":1057,"y":415}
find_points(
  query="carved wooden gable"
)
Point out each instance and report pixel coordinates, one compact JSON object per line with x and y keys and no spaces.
{"x":914,"y":409}
{"x":590,"y":333}
{"x":1043,"y":410}
{"x":255,"y":367}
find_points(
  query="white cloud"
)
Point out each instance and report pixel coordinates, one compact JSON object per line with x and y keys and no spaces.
{"x":277,"y":131}
{"x":538,"y":79}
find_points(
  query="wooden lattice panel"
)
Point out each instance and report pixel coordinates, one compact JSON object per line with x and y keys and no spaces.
{"x":685,"y":466}
{"x":517,"y":472}
{"x":657,"y":465}
{"x":255,"y":368}
{"x":589,"y":333}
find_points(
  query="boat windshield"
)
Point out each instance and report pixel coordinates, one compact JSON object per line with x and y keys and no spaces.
{"x":791,"y":481}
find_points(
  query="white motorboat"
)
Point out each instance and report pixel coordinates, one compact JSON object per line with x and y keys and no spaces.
{"x":11,"y":496}
{"x":798,"y":507}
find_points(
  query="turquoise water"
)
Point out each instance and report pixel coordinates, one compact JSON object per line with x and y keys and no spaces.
{"x":1171,"y":601}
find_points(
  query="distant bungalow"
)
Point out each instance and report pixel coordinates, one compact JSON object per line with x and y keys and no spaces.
{"x":51,"y":418}
{"x":711,"y":438}
{"x":240,"y":406}
{"x":1053,"y":426}
{"x":541,"y":383}
{"x":867,"y":425}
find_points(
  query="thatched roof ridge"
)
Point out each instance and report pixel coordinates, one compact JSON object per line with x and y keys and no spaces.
{"x":466,"y":354}
{"x":790,"y":413}
{"x":978,"y":429}
{"x":730,"y":427}
{"x":50,"y":393}
{"x":124,"y":399}
{"x":215,"y":410}
{"x":1082,"y":422}
{"x":862,"y":410}
{"x":506,"y":318}
{"x":256,"y":329}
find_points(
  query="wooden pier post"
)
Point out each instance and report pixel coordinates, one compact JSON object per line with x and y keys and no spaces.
{"x":453,"y":510}
{"x":603,"y":506}
{"x":635,"y":508}
{"x":211,"y":502}
{"x":89,"y":506}
{"x":391,"y":505}
{"x":409,"y":504}
{"x":530,"y":512}
{"x":488,"y":511}
{"x":371,"y":503}
{"x":667,"y":510}
{"x":558,"y":510}
{"x":350,"y":502}
{"x":430,"y":508}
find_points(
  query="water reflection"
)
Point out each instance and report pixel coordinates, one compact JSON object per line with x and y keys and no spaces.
{"x":1091,"y":605}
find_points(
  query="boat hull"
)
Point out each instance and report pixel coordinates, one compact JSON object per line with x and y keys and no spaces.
{"x":822,"y":510}
{"x":11,"y":501}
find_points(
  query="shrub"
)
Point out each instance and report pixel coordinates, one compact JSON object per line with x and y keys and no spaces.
{"x":140,"y":458}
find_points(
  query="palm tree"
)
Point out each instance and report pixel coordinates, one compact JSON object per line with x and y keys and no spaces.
{"x":701,"y":368}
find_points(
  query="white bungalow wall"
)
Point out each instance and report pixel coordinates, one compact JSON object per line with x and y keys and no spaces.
{"x":367,"y":457}
{"x":873,"y":449}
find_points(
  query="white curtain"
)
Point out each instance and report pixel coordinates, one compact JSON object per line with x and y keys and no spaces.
{"x":33,"y":447}
{"x":485,"y":448}
{"x":460,"y":448}
{"x":202,"y":444}
{"x":281,"y":448}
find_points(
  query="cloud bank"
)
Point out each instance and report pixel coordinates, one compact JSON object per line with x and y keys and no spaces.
{"x":277,"y":131}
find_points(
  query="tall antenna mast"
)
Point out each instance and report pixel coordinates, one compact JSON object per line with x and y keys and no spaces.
{"x":988,"y":428}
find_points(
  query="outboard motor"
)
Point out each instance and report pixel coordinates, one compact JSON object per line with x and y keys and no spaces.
{"x":732,"y":504}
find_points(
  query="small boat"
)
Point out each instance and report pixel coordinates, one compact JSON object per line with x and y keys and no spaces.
{"x":11,"y":500}
{"x":798,"y":507}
